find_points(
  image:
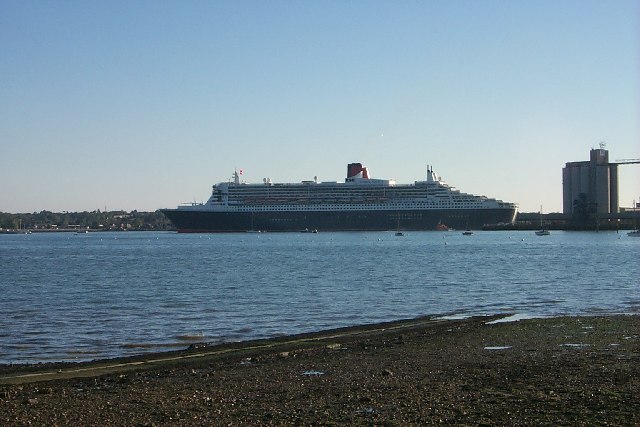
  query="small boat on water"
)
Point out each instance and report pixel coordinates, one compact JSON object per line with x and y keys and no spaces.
{"x":634,"y":233}
{"x":467,"y":233}
{"x":399,"y":233}
{"x":543,"y":231}
{"x":441,"y":227}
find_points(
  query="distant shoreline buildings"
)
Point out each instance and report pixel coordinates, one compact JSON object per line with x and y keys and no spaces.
{"x":590,"y":201}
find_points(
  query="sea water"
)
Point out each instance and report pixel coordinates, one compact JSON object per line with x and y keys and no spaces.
{"x":74,"y":297}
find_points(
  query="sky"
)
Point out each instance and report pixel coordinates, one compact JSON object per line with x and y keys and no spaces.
{"x":143,"y":105}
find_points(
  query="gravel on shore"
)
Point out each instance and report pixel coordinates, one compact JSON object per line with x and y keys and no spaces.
{"x":553,"y":371}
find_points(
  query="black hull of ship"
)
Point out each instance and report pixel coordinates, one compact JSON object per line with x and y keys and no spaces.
{"x":192,"y":221}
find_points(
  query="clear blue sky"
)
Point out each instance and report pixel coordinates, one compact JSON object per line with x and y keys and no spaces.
{"x":146,"y":104}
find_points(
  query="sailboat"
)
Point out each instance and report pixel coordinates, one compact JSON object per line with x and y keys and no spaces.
{"x":468,"y":231}
{"x":252,"y":230}
{"x":542,"y":231}
{"x":398,"y":232}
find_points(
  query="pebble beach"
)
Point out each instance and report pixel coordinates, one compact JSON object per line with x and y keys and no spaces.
{"x":475,"y":371}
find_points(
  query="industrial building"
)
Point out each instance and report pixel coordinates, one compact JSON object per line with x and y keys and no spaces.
{"x":591,"y":187}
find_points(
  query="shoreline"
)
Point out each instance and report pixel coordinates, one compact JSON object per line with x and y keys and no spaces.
{"x":46,"y":371}
{"x":550,"y":371}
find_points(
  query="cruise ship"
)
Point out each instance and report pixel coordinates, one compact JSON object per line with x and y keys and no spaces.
{"x":360,"y":203}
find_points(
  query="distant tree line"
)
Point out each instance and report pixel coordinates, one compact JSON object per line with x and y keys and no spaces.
{"x":95,"y":220}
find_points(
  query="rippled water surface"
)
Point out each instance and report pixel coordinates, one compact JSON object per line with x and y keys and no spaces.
{"x":73,"y":297}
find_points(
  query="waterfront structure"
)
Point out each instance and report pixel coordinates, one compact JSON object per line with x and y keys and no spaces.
{"x":590,"y":186}
{"x":361,"y":203}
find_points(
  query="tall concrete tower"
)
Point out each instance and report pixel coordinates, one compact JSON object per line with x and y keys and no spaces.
{"x":590,"y":187}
